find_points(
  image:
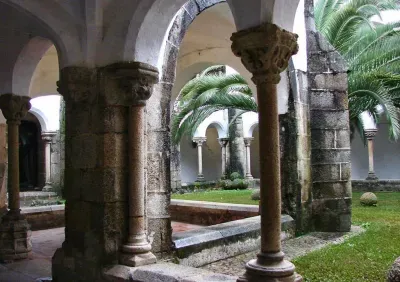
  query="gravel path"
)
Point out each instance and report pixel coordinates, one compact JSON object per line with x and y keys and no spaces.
{"x":293,"y":248}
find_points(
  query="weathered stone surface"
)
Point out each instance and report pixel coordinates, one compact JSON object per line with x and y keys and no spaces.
{"x":376,"y":185}
{"x":329,"y":119}
{"x":335,"y":82}
{"x":324,"y":156}
{"x":368,"y":199}
{"x":169,"y":65}
{"x":394,"y":272}
{"x":15,"y":238}
{"x":322,"y":190}
{"x":180,"y":25}
{"x":332,"y":214}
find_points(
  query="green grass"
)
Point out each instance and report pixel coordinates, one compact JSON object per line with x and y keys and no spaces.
{"x":220,"y":196}
{"x":366,"y":257}
{"x":362,"y":258}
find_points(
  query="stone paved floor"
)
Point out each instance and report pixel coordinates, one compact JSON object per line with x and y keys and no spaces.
{"x":45,"y":242}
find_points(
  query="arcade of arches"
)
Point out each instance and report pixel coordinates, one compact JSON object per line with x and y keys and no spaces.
{"x":119,"y":66}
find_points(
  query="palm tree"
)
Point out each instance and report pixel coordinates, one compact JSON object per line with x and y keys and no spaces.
{"x":370,"y":49}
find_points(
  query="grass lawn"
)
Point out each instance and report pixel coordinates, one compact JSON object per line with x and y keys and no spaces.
{"x":362,"y":258}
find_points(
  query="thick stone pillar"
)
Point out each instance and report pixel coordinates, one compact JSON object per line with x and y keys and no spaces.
{"x":265,"y":51}
{"x":47,"y":137}
{"x":370,"y":135}
{"x":137,"y":250}
{"x":199,"y":141}
{"x":330,"y":132}
{"x":237,"y":159}
{"x":15,"y":242}
{"x":223,"y":142}
{"x":247,"y":143}
{"x":101,"y":115}
{"x":3,"y":169}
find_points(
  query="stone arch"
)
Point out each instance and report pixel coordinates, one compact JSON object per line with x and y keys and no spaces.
{"x":41,"y":117}
{"x":27,"y":62}
{"x":213,"y":121}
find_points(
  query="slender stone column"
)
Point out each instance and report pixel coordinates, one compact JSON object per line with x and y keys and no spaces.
{"x":247,"y":143}
{"x":370,"y":135}
{"x":223,"y":142}
{"x":137,"y":250}
{"x":200,"y":141}
{"x":15,"y":231}
{"x":265,"y":51}
{"x":47,"y":137}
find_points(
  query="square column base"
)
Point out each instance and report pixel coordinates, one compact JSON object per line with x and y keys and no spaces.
{"x":200,"y":178}
{"x":15,"y":238}
{"x":134,"y":260}
{"x":48,"y":188}
{"x":372,"y":176}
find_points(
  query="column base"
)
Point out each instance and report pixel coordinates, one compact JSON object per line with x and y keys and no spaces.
{"x":134,"y":260}
{"x":47,"y":187}
{"x":200,"y":178}
{"x":249,"y":177}
{"x":271,"y":271}
{"x":15,"y":237}
{"x":372,"y":176}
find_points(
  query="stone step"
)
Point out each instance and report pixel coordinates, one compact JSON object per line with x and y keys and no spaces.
{"x":27,"y":198}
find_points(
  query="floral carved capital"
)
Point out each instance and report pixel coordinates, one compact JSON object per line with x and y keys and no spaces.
{"x":265,"y":51}
{"x":370,"y":133}
{"x":14,"y":107}
{"x":135,"y":79}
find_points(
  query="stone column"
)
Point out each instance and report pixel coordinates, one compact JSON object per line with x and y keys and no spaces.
{"x":223,"y":142}
{"x":47,"y":137}
{"x":200,"y":141}
{"x":265,"y":51}
{"x":15,"y":242}
{"x":247,"y":143}
{"x":137,"y":250}
{"x":370,"y":135}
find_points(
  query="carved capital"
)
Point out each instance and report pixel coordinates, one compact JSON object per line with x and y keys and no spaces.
{"x":247,"y":141}
{"x":223,"y":141}
{"x":135,"y":79}
{"x":14,"y":107}
{"x":265,"y":51}
{"x":76,"y":84}
{"x":48,"y":136}
{"x":370,"y":133}
{"x":199,"y":140}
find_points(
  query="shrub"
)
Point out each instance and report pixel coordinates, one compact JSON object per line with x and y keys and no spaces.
{"x":235,"y":175}
{"x":255,"y":195}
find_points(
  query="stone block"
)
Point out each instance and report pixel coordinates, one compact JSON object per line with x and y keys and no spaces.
{"x":192,"y":8}
{"x":115,"y":151}
{"x":115,"y":119}
{"x":318,"y":63}
{"x":322,"y":139}
{"x":158,"y":203}
{"x":323,"y":119}
{"x":342,"y":139}
{"x":330,"y":156}
{"x":169,"y":65}
{"x":160,"y":234}
{"x":158,"y":141}
{"x":158,"y":107}
{"x":73,"y":183}
{"x":82,"y":151}
{"x":78,"y":120}
{"x":158,"y":172}
{"x":330,"y":81}
{"x":15,"y":239}
{"x":326,"y":172}
{"x":322,"y":190}
{"x":345,"y":171}
{"x":332,"y":215}
{"x":204,"y":4}
{"x":336,"y":62}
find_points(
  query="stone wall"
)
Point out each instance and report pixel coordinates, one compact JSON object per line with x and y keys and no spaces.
{"x":330,"y":133}
{"x":388,"y":185}
{"x":295,"y":152}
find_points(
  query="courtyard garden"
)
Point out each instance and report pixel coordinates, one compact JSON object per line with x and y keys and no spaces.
{"x":366,"y":257}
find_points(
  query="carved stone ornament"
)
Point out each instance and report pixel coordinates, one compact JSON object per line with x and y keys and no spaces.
{"x":223,"y":141}
{"x":136,"y":80}
{"x":199,"y":140}
{"x":265,"y":51}
{"x":14,"y":107}
{"x":370,"y":133}
{"x":76,"y":84}
{"x":247,"y":141}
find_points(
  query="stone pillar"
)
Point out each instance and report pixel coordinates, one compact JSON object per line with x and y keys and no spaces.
{"x":47,"y":137}
{"x":15,"y":242}
{"x":370,"y":135}
{"x":223,"y":142}
{"x":265,"y":51}
{"x":199,"y":141}
{"x":247,"y":143}
{"x":137,"y":250}
{"x":3,"y":169}
{"x":330,"y":132}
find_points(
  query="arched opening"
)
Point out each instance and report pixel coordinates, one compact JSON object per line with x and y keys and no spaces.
{"x":30,"y":154}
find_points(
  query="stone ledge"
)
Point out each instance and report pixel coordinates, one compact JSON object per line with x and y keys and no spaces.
{"x":45,"y":217}
{"x":381,"y":185}
{"x":163,"y":272}
{"x":216,"y":242}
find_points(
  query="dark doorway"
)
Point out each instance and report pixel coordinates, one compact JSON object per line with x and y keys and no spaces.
{"x":28,"y":155}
